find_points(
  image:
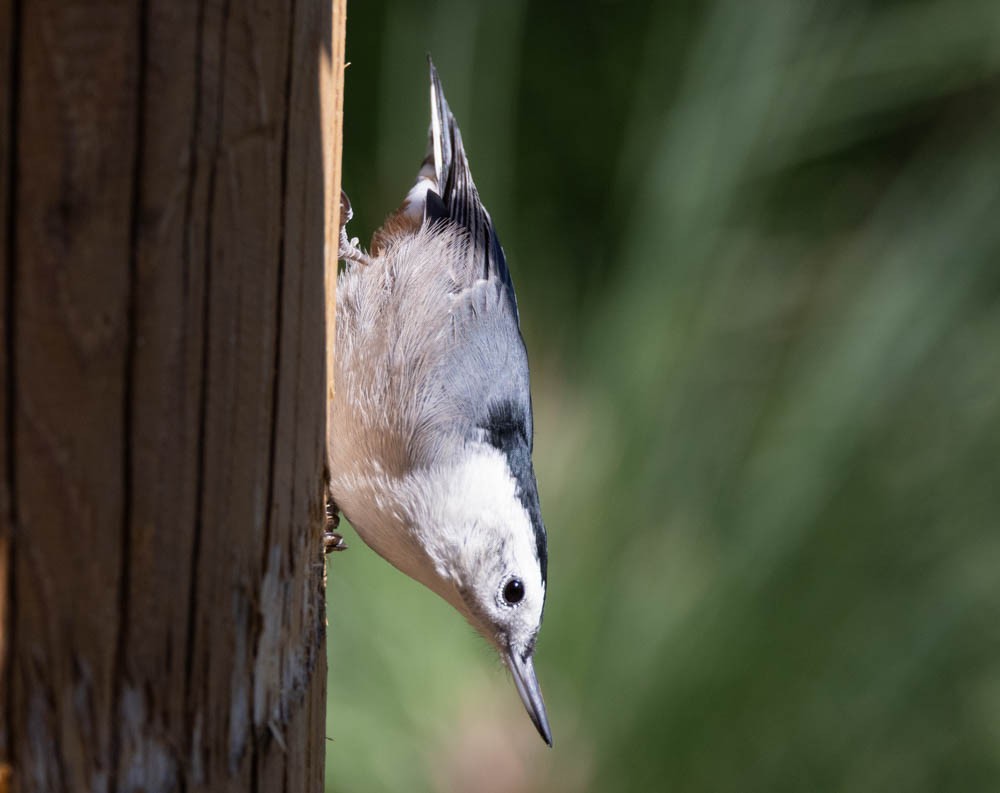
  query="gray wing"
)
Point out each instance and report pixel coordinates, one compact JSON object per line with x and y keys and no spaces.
{"x":487,"y":362}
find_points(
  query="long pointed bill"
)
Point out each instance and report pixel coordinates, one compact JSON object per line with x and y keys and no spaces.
{"x":523,"y":670}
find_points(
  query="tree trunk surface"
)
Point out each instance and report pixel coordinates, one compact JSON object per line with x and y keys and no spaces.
{"x":169,"y":189}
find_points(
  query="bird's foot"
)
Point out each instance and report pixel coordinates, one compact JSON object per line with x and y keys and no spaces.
{"x":349,"y":251}
{"x":332,"y":539}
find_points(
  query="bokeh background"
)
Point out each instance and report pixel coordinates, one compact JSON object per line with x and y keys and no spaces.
{"x":757,"y":252}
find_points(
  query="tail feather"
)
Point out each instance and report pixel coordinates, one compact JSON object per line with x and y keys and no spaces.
{"x":442,"y":121}
{"x":445,"y":193}
{"x":455,"y":198}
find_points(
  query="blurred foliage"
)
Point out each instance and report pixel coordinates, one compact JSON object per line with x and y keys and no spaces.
{"x":757,"y":250}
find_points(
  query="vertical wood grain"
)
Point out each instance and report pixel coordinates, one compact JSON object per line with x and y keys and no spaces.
{"x":73,"y":193}
{"x":8,"y":58}
{"x":165,"y":279}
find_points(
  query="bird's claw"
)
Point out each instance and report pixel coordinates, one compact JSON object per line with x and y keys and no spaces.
{"x":332,"y":539}
{"x":349,"y":250}
{"x":346,"y":210}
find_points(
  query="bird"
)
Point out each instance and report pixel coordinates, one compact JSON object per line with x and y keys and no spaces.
{"x":430,"y":426}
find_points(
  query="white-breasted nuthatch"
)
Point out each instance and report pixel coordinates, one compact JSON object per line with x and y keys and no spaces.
{"x":431,"y":425}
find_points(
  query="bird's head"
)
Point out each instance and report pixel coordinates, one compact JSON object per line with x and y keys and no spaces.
{"x":486,"y":547}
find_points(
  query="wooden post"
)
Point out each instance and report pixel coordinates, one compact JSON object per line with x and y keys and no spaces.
{"x":169,"y":189}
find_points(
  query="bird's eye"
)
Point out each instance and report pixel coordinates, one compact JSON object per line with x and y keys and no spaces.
{"x":513,"y":593}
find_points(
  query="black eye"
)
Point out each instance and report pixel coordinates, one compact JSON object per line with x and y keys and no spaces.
{"x":514,"y":591}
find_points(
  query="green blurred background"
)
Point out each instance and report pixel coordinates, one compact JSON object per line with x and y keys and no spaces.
{"x":757,"y":252}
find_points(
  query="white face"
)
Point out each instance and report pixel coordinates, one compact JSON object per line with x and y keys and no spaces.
{"x":471,"y":541}
{"x":505,"y":593}
{"x":481,"y":546}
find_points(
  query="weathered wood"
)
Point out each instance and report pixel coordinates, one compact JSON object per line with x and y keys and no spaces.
{"x":7,"y":59}
{"x":169,"y":182}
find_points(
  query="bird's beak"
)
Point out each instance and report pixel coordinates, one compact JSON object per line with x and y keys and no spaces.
{"x":523,"y":671}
